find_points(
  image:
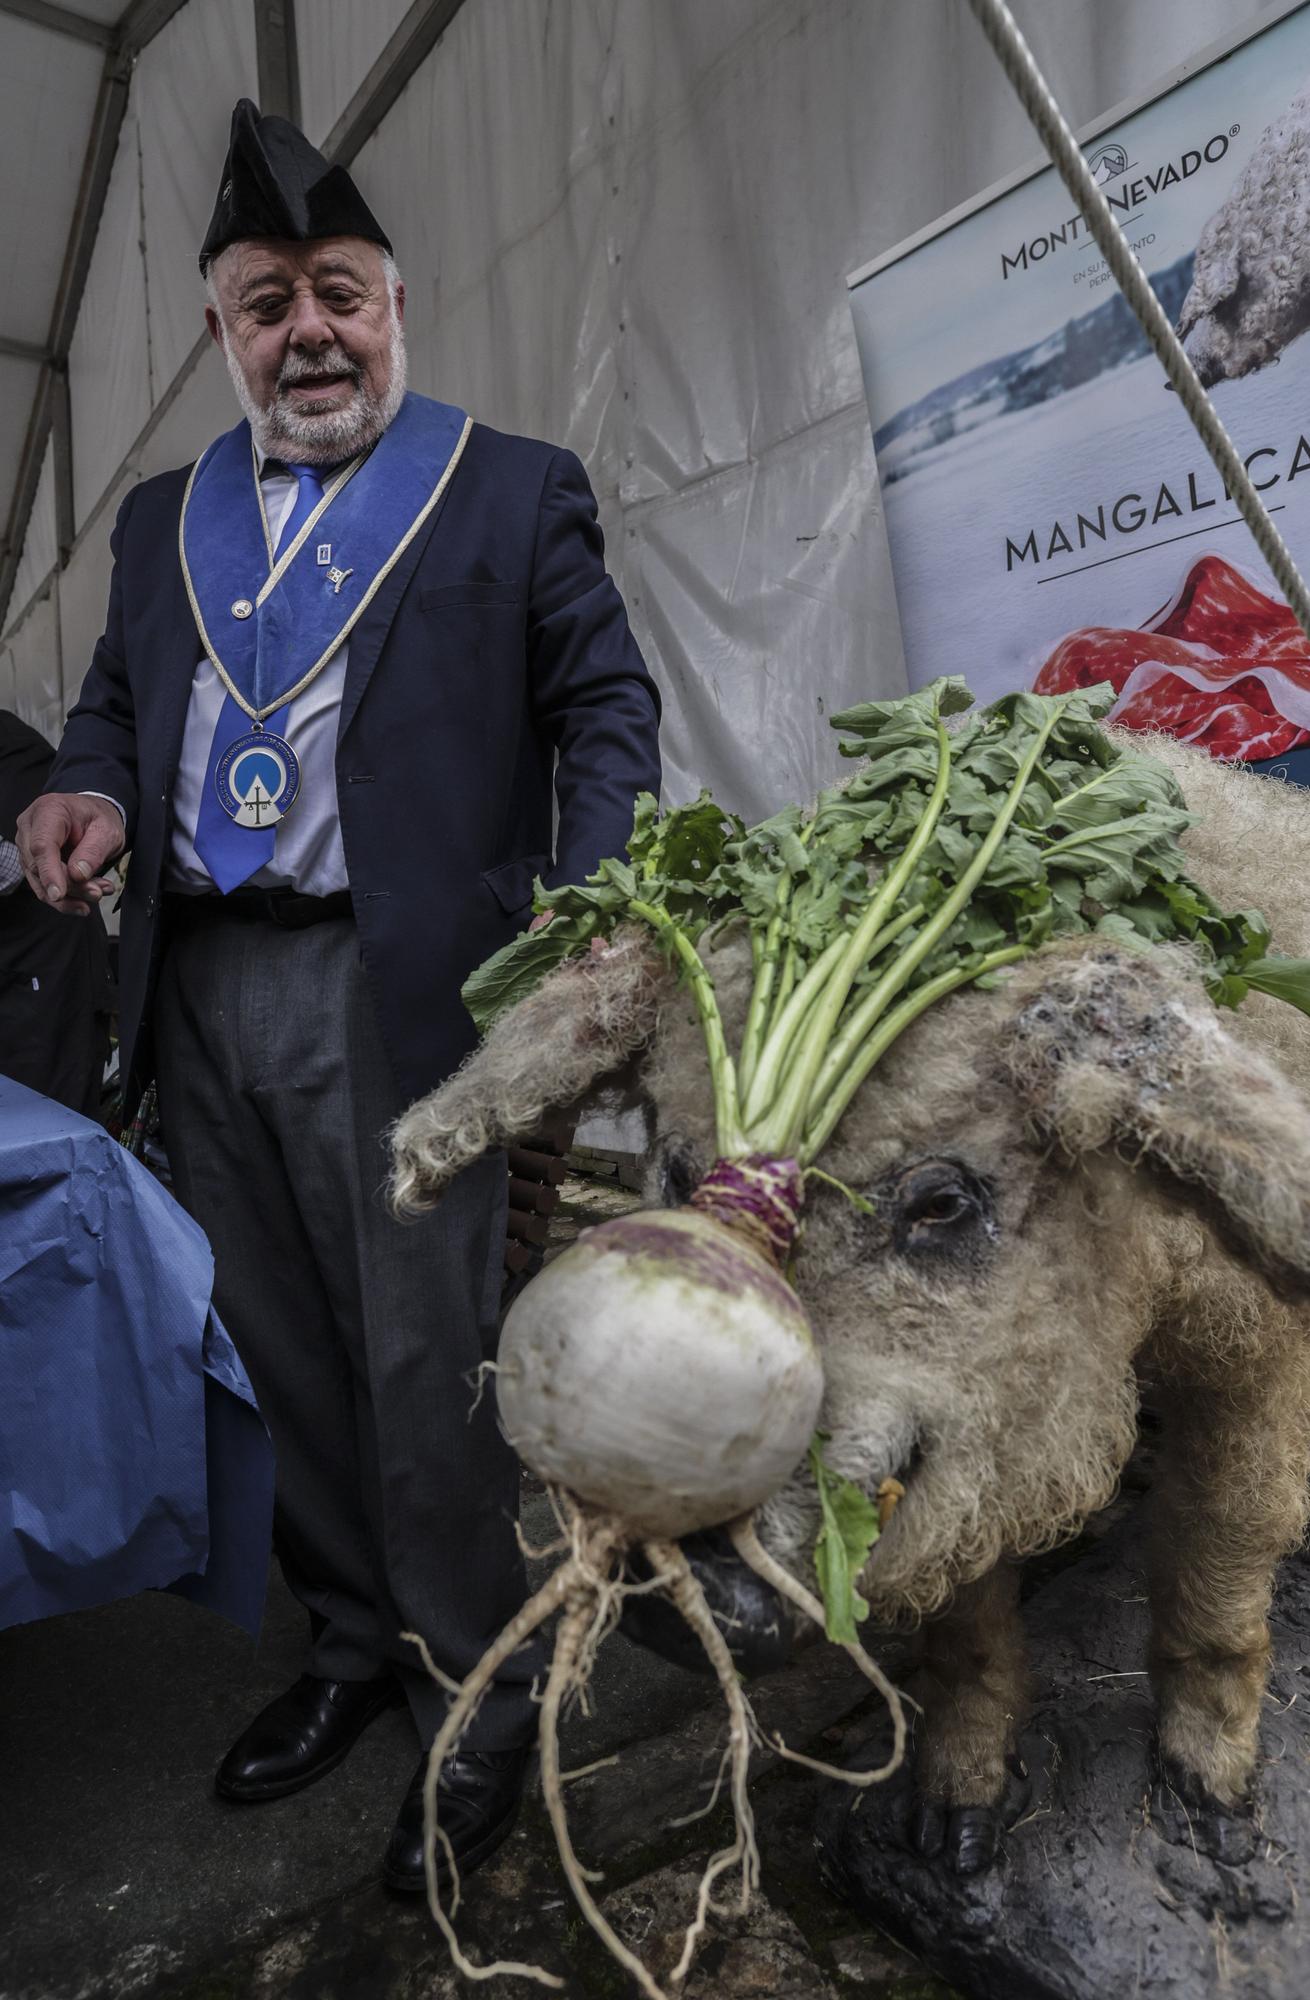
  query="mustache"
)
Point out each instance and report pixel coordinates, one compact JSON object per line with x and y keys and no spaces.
{"x":317,"y":368}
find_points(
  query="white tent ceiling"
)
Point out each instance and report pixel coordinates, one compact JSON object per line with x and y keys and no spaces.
{"x":624,"y":225}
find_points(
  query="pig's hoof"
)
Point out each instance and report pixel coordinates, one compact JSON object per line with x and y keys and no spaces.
{"x":1186,"y":1814}
{"x":967,"y":1838}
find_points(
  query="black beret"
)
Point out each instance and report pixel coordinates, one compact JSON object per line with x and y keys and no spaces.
{"x":276,"y":184}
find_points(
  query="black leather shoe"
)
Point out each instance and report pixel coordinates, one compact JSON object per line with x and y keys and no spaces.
{"x":301,"y":1736}
{"x":478,"y":1803}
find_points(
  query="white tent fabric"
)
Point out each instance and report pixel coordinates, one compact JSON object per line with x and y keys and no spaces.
{"x":41,"y":548}
{"x":18,"y":380}
{"x":47,"y":92}
{"x":179,"y":429}
{"x":32,"y":656}
{"x":109,"y":378}
{"x":338,"y":41}
{"x":184,"y":87}
{"x":625,"y":225}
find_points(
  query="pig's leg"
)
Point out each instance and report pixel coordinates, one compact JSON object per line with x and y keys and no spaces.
{"x":1228,"y":1502}
{"x":971,"y":1684}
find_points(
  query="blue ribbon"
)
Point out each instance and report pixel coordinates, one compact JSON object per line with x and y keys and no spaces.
{"x":233,"y":853}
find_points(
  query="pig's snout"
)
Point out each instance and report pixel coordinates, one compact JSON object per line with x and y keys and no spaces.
{"x":1204,"y":352}
{"x":757,"y":1624}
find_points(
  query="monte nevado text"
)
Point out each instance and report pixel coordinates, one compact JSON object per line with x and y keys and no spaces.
{"x":1146,"y":507}
{"x":1129,"y":200}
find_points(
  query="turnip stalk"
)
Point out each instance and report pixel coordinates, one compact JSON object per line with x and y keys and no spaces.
{"x":784,"y":1031}
{"x":782,"y":1124}
{"x":844,"y":1049}
{"x":762,"y":990}
{"x":790,"y":1023}
{"x":723,"y":1075}
{"x":786,"y":979}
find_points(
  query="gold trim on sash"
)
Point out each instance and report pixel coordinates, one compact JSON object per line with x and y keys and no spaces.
{"x":288,"y":555}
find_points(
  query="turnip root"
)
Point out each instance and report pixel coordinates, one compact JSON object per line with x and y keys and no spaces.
{"x":661,"y":1376}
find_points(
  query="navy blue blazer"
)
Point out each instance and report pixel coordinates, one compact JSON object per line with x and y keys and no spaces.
{"x":497,"y":643}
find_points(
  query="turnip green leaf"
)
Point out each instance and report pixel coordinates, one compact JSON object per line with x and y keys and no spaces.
{"x":849,"y":1531}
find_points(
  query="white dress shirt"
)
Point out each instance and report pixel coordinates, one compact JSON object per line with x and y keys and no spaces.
{"x":307,"y":850}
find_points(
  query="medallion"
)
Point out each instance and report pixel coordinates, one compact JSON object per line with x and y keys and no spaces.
{"x":257,"y":779}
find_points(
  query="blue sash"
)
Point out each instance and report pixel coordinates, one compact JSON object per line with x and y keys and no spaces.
{"x":306,"y":602}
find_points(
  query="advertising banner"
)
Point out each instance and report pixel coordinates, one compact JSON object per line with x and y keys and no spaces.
{"x":1053,"y":518}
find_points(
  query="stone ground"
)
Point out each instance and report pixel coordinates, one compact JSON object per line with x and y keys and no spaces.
{"x":123,"y":1876}
{"x":1110,"y":1883}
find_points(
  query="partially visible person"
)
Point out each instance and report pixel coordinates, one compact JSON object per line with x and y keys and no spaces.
{"x":55,"y":988}
{"x":348,"y":658}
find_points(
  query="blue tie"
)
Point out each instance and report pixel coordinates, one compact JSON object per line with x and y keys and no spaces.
{"x":233,"y":853}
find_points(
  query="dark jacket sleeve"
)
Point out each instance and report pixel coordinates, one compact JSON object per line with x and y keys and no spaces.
{"x":25,"y":757}
{"x":591,"y":692}
{"x":97,"y":752}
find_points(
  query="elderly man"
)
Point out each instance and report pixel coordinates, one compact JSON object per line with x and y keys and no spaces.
{"x":345,"y":655}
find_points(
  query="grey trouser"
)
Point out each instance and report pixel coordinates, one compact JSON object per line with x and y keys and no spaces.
{"x":363,"y":1336}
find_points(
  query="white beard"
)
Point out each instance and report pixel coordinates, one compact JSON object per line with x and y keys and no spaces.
{"x":308,"y":438}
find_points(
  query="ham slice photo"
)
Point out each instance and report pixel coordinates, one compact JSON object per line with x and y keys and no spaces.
{"x":1223,"y":665}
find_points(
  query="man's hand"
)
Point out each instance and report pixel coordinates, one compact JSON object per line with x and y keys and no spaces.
{"x":65,"y":839}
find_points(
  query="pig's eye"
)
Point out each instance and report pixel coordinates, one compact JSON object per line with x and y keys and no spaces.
{"x":939,"y":1205}
{"x":679,"y":1175}
{"x":940,"y":1208}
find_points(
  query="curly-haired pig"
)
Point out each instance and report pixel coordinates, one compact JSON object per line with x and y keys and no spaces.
{"x":1249,"y":298}
{"x":1086,"y":1174}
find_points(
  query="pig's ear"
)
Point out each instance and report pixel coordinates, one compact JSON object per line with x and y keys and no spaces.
{"x":583,"y":1024}
{"x":1123,"y":1049}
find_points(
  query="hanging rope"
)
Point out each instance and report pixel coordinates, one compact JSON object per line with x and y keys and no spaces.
{"x":1001,"y":30}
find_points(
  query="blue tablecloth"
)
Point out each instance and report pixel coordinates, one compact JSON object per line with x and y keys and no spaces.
{"x":131,"y":1452}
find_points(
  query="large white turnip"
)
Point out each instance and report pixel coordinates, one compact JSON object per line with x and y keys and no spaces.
{"x":661,"y":1377}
